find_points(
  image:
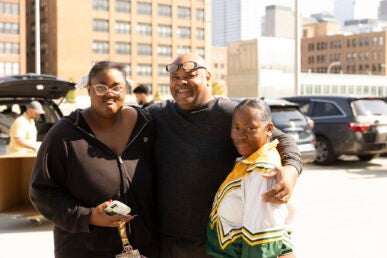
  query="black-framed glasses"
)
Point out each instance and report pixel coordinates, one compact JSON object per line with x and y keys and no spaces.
{"x":101,"y":89}
{"x":187,"y":66}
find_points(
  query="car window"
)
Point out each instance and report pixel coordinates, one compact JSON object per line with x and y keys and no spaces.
{"x":304,"y":107}
{"x":365,"y":107}
{"x":286,"y":115}
{"x":325,"y":109}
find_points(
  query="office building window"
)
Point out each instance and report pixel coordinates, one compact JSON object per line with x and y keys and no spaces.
{"x":9,"y":48}
{"x":164,"y":10}
{"x":162,"y":72}
{"x":144,"y":29}
{"x":100,"y":25}
{"x":200,"y":14}
{"x":144,"y":49}
{"x":184,"y":13}
{"x":183,"y":49}
{"x":100,"y":47}
{"x":184,"y":32}
{"x":123,"y":48}
{"x":101,"y":5}
{"x":8,"y":68}
{"x":164,"y":50}
{"x":164,"y":31}
{"x":9,"y":28}
{"x":200,"y":34}
{"x":123,"y":6}
{"x":164,"y":90}
{"x":122,"y":27}
{"x":128,"y":70}
{"x":9,"y":8}
{"x":144,"y":70}
{"x":200,"y":51}
{"x":144,"y":8}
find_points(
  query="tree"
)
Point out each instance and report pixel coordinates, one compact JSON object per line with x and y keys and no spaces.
{"x":217,"y":88}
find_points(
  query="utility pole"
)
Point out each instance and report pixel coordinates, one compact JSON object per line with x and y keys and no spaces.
{"x":37,"y":36}
{"x":297,"y":49}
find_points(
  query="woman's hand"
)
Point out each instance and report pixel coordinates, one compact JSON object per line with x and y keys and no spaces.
{"x":286,"y":180}
{"x":100,"y":218}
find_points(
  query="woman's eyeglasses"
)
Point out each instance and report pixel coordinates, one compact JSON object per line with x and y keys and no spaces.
{"x":187,"y":66}
{"x":101,"y":89}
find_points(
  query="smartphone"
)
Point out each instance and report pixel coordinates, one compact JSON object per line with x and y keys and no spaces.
{"x":117,"y":208}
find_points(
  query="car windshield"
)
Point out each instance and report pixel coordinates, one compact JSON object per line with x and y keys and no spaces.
{"x":375,"y":107}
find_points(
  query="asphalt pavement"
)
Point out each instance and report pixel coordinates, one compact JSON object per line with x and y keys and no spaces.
{"x":341,"y":212}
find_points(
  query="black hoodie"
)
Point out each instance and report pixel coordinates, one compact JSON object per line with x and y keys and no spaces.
{"x":74,"y":172}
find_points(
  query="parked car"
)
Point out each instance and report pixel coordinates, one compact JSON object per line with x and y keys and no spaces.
{"x":346,"y":125}
{"x":287,"y":117}
{"x":17,"y":91}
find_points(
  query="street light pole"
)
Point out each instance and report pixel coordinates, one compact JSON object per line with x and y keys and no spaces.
{"x":37,"y":36}
{"x":337,"y":63}
{"x":297,"y":54}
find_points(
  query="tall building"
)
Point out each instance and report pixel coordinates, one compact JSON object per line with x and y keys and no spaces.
{"x":143,"y":35}
{"x":279,"y":22}
{"x":12,"y":37}
{"x":234,"y":20}
{"x":382,"y":10}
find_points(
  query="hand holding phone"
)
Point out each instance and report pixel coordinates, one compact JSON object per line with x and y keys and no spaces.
{"x":117,"y":208}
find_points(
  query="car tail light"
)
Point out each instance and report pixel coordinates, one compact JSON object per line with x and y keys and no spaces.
{"x":358,"y":127}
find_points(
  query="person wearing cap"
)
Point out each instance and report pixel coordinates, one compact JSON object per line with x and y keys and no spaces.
{"x":143,"y":95}
{"x":23,"y":132}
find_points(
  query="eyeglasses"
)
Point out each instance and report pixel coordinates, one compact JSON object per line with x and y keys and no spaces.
{"x":187,"y":66}
{"x":101,"y":89}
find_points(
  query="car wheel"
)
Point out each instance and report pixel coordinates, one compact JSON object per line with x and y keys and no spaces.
{"x":324,"y":152}
{"x":366,"y":157}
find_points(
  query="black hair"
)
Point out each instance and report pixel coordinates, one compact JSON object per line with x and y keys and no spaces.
{"x":260,"y":105}
{"x":142,"y":88}
{"x":102,"y":65}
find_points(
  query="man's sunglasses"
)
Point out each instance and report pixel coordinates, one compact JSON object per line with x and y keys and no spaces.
{"x":187,"y":66}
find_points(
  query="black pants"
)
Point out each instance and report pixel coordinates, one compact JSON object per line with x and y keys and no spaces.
{"x":171,"y":247}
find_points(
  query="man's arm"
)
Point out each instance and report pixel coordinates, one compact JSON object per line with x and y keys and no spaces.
{"x":288,"y":149}
{"x":287,"y":174}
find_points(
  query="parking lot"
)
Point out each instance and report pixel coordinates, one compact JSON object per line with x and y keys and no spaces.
{"x":341,"y":213}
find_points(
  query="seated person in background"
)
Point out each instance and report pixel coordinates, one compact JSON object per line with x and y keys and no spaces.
{"x":23,"y":131}
{"x":241,"y":224}
{"x":144,"y":95}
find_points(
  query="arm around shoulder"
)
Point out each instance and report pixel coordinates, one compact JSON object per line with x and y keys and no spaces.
{"x":288,"y":149}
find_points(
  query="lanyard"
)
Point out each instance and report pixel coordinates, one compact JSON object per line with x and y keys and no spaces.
{"x":124,"y":238}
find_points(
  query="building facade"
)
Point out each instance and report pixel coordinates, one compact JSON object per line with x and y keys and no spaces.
{"x":261,"y":67}
{"x":12,"y":37}
{"x":362,"y":53}
{"x":143,"y":35}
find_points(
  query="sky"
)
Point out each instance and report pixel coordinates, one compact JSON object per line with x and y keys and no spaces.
{"x":308,"y":7}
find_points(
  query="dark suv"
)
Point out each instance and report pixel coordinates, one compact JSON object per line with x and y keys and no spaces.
{"x":346,"y":125}
{"x":287,"y":117}
{"x":18,"y":90}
